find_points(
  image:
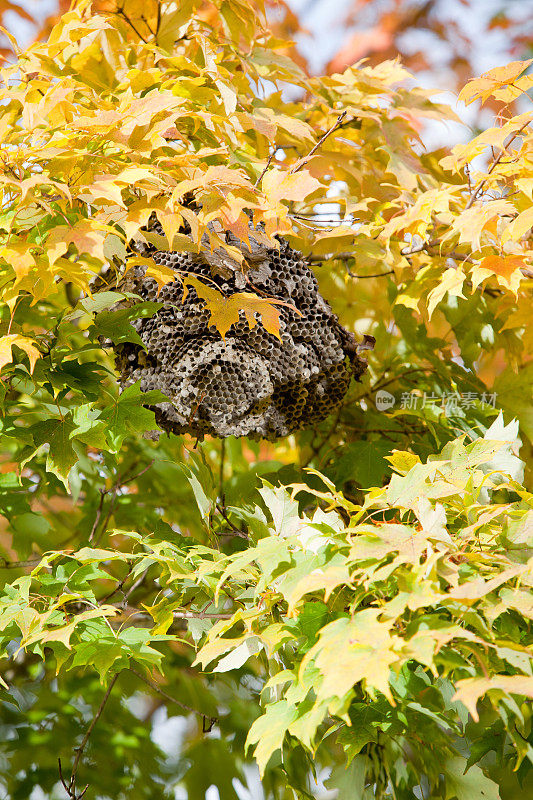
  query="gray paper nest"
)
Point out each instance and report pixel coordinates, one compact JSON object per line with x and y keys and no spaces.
{"x":252,"y":384}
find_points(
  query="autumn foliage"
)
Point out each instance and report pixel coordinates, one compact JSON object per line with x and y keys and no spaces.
{"x":351,"y":604}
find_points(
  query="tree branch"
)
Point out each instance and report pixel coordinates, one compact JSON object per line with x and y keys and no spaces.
{"x":303,"y":161}
{"x":70,"y":788}
{"x":418,"y":248}
{"x":127,"y":611}
{"x":479,"y":188}
{"x":260,"y":178}
{"x":234,"y":531}
{"x":314,"y":259}
{"x":98,"y":514}
{"x":153,"y":685}
{"x":18,"y":564}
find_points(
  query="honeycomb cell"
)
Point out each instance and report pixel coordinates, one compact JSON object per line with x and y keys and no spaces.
{"x":252,"y":383}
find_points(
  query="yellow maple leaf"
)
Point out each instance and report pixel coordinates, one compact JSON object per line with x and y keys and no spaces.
{"x":451,"y":283}
{"x":483,"y":87}
{"x":519,"y":226}
{"x":278,"y":185}
{"x":18,"y":255}
{"x":471,"y":223}
{"x":471,"y":689}
{"x":14,"y":339}
{"x":503,"y":266}
{"x":225,"y":310}
{"x":87,"y":235}
{"x":103,"y":188}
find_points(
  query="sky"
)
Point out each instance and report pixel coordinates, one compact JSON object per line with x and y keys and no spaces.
{"x":325,"y":21}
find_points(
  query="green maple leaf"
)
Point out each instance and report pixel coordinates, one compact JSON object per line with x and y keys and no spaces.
{"x":61,"y":454}
{"x":470,"y":785}
{"x":128,"y":414}
{"x":116,"y":325}
{"x":349,"y":781}
{"x":363,"y":462}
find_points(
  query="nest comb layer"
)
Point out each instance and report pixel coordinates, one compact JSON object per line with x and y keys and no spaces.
{"x":251,"y":384}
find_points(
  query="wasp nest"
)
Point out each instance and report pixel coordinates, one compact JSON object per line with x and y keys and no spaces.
{"x":251,"y":384}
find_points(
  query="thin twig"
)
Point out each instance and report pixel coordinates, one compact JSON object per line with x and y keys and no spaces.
{"x":260,"y":178}
{"x":380,"y":384}
{"x":127,"y":611}
{"x":303,"y":161}
{"x":201,"y":615}
{"x":479,"y":188}
{"x":418,"y":248}
{"x":109,"y":514}
{"x":314,"y":259}
{"x":120,"y":584}
{"x":71,"y":787}
{"x":168,"y":697}
{"x":234,"y":531}
{"x":316,"y":448}
{"x":18,"y":564}
{"x":119,"y":483}
{"x":135,"y":585}
{"x":124,"y":482}
{"x":375,"y":275}
{"x":467,"y":170}
{"x":115,"y":589}
{"x":221,"y":474}
{"x":98,"y":514}
{"x":427,"y":246}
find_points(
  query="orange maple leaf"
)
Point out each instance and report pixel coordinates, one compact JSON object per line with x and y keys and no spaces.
{"x":225,"y":310}
{"x":504,"y":266}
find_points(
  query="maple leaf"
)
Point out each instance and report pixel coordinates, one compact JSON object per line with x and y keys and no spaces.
{"x":368,"y":653}
{"x":159,"y":272}
{"x":468,"y":784}
{"x":104,"y":188}
{"x":57,"y":434}
{"x":470,"y":690}
{"x":15,"y":340}
{"x":492,"y":80}
{"x":451,"y":283}
{"x":269,"y":731}
{"x":88,"y":236}
{"x":278,"y":185}
{"x":507,"y":269}
{"x":225,"y":310}
{"x":20,"y":258}
{"x":64,"y":633}
{"x":128,"y":414}
{"x":519,"y":226}
{"x":471,"y":223}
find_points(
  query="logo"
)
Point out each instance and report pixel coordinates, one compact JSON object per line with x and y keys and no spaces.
{"x":384,"y":400}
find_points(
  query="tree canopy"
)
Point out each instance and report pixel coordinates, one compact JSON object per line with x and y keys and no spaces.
{"x":348,"y":608}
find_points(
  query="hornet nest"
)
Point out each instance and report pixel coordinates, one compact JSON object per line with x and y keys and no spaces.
{"x":250,"y":384}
